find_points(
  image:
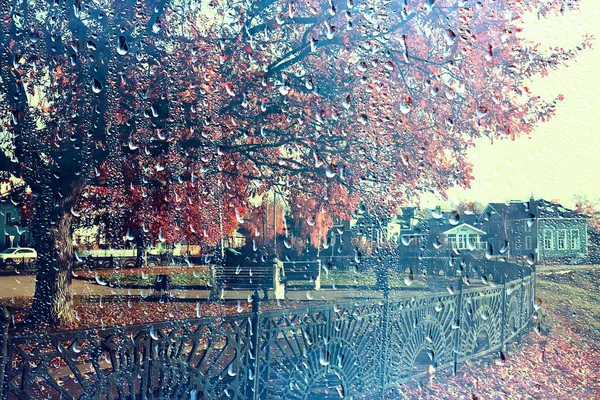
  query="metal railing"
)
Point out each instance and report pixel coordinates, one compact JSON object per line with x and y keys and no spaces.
{"x":332,"y":350}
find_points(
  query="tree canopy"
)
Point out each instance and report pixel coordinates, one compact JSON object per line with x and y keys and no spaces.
{"x":175,"y":115}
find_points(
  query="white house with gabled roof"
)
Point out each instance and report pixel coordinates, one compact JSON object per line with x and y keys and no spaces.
{"x":465,"y":237}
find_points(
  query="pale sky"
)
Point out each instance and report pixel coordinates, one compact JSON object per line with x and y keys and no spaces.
{"x":560,"y":158}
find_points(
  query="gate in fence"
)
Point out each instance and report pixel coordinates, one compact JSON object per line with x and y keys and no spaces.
{"x":339,"y":350}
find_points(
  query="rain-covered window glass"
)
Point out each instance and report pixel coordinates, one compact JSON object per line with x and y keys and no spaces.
{"x":561,"y":238}
{"x":548,"y":239}
{"x":280,"y":199}
{"x":452,"y":241}
{"x":575,"y":239}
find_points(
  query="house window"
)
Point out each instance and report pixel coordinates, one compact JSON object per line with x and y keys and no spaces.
{"x":22,"y":240}
{"x":561,"y":239}
{"x":473,"y":242}
{"x":575,"y":239}
{"x":7,"y":242}
{"x":452,"y":241}
{"x":518,"y":244}
{"x":527,"y":242}
{"x":8,"y":218}
{"x":548,"y":239}
{"x":462,"y":241}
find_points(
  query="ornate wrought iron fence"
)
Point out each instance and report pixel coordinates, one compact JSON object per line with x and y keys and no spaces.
{"x":353,"y":349}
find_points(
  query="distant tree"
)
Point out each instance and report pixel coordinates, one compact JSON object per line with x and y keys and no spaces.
{"x":469,"y":207}
{"x":182,"y":116}
{"x":586,"y":207}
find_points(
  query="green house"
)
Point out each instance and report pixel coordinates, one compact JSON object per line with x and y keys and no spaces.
{"x":547,"y":231}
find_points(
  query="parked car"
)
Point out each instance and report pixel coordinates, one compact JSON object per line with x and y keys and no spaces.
{"x":17,"y":255}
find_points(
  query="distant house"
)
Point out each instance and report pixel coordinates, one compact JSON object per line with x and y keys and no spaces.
{"x":465,"y":237}
{"x":402,"y":225}
{"x":412,"y":232}
{"x":14,"y":234}
{"x":371,"y":227}
{"x":551,"y":232}
{"x":236,"y":240}
{"x":10,"y":216}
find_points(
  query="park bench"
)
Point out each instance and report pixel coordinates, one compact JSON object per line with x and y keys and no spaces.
{"x":302,"y":271}
{"x":104,"y":262}
{"x":273,"y":274}
{"x":250,"y":277}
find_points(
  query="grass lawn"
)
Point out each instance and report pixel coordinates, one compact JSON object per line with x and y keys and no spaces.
{"x":367,"y":278}
{"x":196,"y":278}
{"x":573,"y":295}
{"x":201,"y":276}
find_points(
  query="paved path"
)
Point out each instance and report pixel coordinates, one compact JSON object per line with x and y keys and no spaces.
{"x":24,"y":286}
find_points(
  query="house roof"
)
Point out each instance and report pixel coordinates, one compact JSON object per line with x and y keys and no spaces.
{"x":541,"y":209}
{"x":469,"y":227}
{"x":546,"y":209}
{"x":512,"y":210}
{"x":452,"y":218}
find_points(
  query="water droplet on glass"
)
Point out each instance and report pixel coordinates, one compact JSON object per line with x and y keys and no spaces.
{"x":238,"y":216}
{"x":324,"y":358}
{"x":153,"y":333}
{"x":122,"y":47}
{"x":99,"y":280}
{"x":156,"y":25}
{"x":230,"y":370}
{"x":96,"y":86}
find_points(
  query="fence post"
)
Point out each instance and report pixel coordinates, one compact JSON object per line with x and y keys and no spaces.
{"x":5,"y":363}
{"x":459,"y":322}
{"x":278,"y":286}
{"x":503,"y":322}
{"x":318,"y":278}
{"x":252,"y":384}
{"x":148,"y":385}
{"x":533,"y":292}
{"x":521,"y":316}
{"x":384,"y":335}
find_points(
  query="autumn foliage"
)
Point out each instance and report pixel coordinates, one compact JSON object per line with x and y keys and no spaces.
{"x":171,"y":117}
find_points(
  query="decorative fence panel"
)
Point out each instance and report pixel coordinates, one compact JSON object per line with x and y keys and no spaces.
{"x":336,"y":350}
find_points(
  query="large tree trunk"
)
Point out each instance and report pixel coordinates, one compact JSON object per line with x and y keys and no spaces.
{"x":53,"y":238}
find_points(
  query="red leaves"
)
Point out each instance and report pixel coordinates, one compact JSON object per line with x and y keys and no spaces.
{"x":558,"y":366}
{"x":114,"y":312}
{"x":386,"y":113}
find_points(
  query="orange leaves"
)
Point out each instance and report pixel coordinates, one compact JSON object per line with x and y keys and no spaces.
{"x":58,"y":72}
{"x":121,"y":118}
{"x":188,"y":95}
{"x":384,"y":115}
